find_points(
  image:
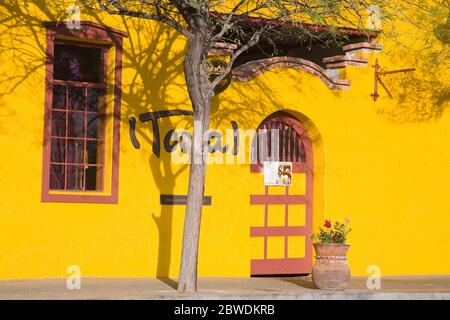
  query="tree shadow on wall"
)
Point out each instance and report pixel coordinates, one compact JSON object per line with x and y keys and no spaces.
{"x":22,"y":55}
{"x":153,"y":60}
{"x":155,"y":71}
{"x":422,"y":95}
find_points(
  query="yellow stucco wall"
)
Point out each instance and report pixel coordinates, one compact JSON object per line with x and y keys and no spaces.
{"x":385,"y":164}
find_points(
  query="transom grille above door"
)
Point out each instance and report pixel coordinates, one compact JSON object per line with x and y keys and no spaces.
{"x":278,"y":141}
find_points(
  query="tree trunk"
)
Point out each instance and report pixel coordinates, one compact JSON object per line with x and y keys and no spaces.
{"x":200,"y":95}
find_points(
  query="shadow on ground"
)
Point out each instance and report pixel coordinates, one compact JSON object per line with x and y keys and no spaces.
{"x":303,"y":281}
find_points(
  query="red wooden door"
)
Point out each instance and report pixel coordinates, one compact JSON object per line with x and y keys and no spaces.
{"x":285,"y":223}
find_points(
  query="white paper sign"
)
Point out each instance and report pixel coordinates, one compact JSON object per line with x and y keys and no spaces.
{"x":278,"y":173}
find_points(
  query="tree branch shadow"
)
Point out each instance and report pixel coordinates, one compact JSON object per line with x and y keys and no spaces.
{"x":152,"y":61}
{"x":422,"y":95}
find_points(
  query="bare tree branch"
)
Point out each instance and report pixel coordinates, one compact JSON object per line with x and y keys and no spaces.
{"x":120,"y":10}
{"x":252,"y":42}
{"x":205,"y":22}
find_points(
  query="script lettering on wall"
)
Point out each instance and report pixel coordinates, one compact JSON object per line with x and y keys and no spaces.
{"x":173,"y":138}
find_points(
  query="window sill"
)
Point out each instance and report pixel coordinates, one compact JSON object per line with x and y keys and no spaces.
{"x":79,"y":198}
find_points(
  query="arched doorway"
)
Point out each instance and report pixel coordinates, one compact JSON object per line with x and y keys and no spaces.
{"x":281,"y":237}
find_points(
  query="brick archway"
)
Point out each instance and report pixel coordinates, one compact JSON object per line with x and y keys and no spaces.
{"x":284,"y":213}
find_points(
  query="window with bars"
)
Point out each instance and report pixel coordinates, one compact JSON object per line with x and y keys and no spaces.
{"x":77,"y":152}
{"x":277,"y":140}
{"x":83,"y":87}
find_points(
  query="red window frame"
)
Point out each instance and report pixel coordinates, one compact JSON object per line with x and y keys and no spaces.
{"x":94,"y":35}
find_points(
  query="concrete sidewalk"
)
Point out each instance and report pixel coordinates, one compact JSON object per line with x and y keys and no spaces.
{"x":294,"y":288}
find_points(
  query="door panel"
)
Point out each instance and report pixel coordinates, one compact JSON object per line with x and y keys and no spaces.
{"x":282,"y":216}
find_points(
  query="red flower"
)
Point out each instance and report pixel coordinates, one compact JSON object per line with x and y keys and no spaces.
{"x":327,"y":224}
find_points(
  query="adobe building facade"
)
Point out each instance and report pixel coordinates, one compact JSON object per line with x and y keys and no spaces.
{"x":89,"y":177}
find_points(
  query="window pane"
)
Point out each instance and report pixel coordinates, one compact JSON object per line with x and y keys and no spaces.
{"x":75,"y":177}
{"x":94,"y":151}
{"x":93,"y":99}
{"x":76,"y":63}
{"x":59,"y":97}
{"x":58,"y":124}
{"x":75,"y":162}
{"x":94,"y":178}
{"x":76,"y":124}
{"x":76,"y":98}
{"x":93,"y":126}
{"x":56,"y":177}
{"x":75,"y":151}
{"x":58,"y":151}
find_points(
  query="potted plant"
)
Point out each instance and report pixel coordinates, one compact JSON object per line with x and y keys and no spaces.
{"x":331,"y":271}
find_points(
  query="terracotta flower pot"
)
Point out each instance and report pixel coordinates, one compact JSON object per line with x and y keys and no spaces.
{"x":331,"y":271}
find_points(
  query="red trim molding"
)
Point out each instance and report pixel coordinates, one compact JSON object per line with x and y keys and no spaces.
{"x":277,"y":231}
{"x":278,"y":199}
{"x":88,"y":32}
{"x":257,"y":21}
{"x":280,"y":266}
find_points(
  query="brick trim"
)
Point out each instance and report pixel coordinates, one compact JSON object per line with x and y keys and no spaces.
{"x":371,"y":46}
{"x":250,"y":70}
